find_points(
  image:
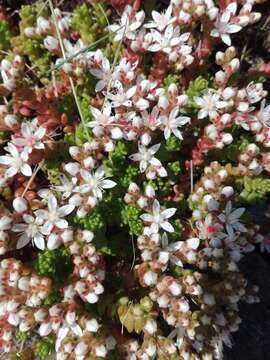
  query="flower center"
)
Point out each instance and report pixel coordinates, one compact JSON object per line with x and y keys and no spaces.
{"x":210,"y":229}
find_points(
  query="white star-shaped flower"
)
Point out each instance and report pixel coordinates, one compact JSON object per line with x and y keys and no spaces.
{"x":31,"y":136}
{"x":145,"y":156}
{"x":121,"y":96}
{"x":94,"y":182}
{"x":103,"y":73}
{"x":31,"y":230}
{"x":66,"y":187}
{"x":210,"y":104}
{"x":101,"y":119}
{"x":158,"y":219}
{"x":171,"y":249}
{"x":264,"y":114}
{"x":161,"y":20}
{"x":53,"y":216}
{"x":129,"y":24}
{"x":167,"y":40}
{"x":16,"y":161}
{"x":230,"y":219}
{"x":172,"y":123}
{"x":223,"y":28}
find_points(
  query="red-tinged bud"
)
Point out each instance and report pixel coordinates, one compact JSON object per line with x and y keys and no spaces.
{"x":64,"y":119}
{"x":25,"y":111}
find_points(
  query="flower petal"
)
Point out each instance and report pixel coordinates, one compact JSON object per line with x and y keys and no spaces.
{"x":166,"y":214}
{"x":167,"y":226}
{"x":23,"y":241}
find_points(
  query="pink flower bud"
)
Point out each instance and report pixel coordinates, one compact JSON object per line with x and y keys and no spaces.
{"x":51,"y":43}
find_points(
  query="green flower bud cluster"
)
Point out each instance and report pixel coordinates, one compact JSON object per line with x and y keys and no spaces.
{"x":179,"y":229}
{"x":130,"y":217}
{"x":94,"y":222}
{"x":56,"y":264}
{"x":150,"y":183}
{"x":52,"y":169}
{"x":45,"y":347}
{"x":37,"y":54}
{"x":6,"y":192}
{"x":5,"y":36}
{"x":173,"y":144}
{"x":33,"y":48}
{"x":52,"y":298}
{"x":22,"y":336}
{"x":254,"y":188}
{"x":69,"y":139}
{"x":90,"y":21}
{"x":80,"y":136}
{"x":162,"y":185}
{"x":132,"y":172}
{"x":174,"y":169}
{"x":169,"y":80}
{"x":119,"y":155}
{"x":196,"y":87}
{"x":29,"y":13}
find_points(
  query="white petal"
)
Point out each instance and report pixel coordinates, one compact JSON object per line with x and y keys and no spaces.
{"x":174,"y":259}
{"x":167,"y":226}
{"x":154,"y":47}
{"x":226,"y":39}
{"x":193,"y":243}
{"x":175,"y":246}
{"x":168,"y":213}
{"x":45,"y":329}
{"x":230,"y":231}
{"x":77,"y":330}
{"x":233,"y":28}
{"x":53,"y":242}
{"x":66,"y":210}
{"x":147,"y":217}
{"x":236,"y":214}
{"x":39,"y":241}
{"x":108,"y":184}
{"x":154,"y":228}
{"x":156,"y":207}
{"x":232,"y":7}
{"x":26,"y":170}
{"x":143,"y":166}
{"x":11,"y":172}
{"x":61,"y":223}
{"x":52,"y":202}
{"x":5,"y":160}
{"x":23,"y":241}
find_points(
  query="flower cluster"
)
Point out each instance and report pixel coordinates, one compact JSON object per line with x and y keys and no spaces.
{"x":134,"y":148}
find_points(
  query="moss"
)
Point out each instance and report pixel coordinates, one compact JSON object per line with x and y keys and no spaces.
{"x":90,"y":21}
{"x":5,"y":36}
{"x":254,"y":189}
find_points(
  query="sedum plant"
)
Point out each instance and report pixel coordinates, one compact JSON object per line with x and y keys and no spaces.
{"x":133,"y":147}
